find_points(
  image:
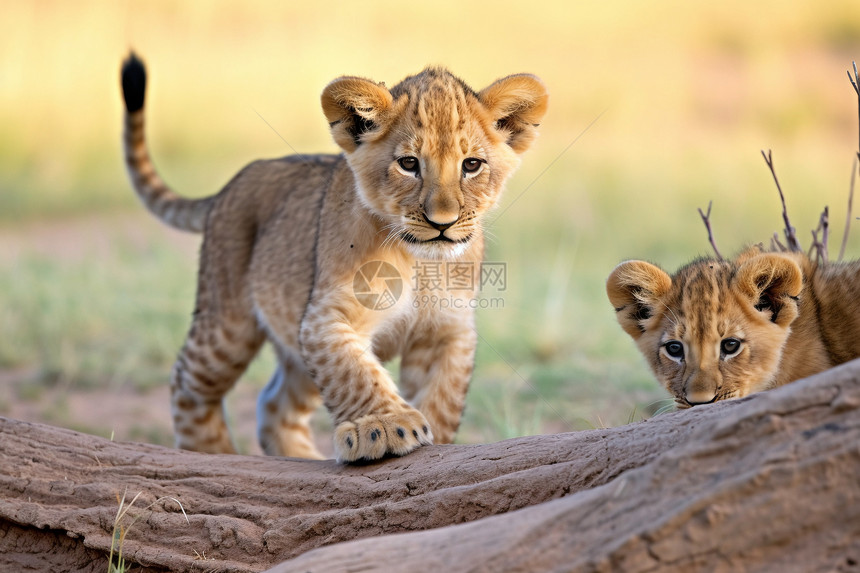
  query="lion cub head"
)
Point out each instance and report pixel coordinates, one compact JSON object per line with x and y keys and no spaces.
{"x":716,"y":329}
{"x":431,"y":156}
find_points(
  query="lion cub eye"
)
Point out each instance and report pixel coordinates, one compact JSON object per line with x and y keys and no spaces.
{"x":674,"y":348}
{"x":730,"y":346}
{"x":471,"y":165}
{"x":409,"y":164}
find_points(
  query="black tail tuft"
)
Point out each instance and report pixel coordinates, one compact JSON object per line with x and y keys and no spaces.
{"x":133,"y":83}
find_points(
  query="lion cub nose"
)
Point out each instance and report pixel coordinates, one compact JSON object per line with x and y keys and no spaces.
{"x":700,"y":389}
{"x":441,"y":223}
{"x":699,"y":397}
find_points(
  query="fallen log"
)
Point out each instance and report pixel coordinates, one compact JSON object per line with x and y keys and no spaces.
{"x":748,"y":485}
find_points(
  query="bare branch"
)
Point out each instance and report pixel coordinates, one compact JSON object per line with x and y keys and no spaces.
{"x":790,"y":234}
{"x":850,"y":205}
{"x":706,"y":218}
{"x":855,"y":80}
{"x":775,"y":245}
{"x":825,"y":230}
{"x":820,"y":247}
{"x":854,"y":83}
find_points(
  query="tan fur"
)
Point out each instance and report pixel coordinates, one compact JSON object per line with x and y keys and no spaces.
{"x":283,"y":242}
{"x":790,"y":316}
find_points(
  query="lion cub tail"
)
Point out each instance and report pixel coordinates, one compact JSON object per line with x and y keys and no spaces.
{"x":179,"y":212}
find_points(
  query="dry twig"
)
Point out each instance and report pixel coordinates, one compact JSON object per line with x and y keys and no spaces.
{"x":790,"y":234}
{"x":706,"y":218}
{"x":820,"y":247}
{"x":776,"y":245}
{"x":855,"y":82}
{"x":850,"y":204}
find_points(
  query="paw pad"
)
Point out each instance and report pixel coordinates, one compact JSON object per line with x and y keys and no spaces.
{"x":373,"y":436}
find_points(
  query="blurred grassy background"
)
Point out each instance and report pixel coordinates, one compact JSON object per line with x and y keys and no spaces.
{"x":95,"y":295}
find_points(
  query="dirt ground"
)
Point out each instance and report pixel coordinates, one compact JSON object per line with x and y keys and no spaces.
{"x":132,"y":415}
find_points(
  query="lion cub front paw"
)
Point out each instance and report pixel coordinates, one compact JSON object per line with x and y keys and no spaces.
{"x":371,"y":437}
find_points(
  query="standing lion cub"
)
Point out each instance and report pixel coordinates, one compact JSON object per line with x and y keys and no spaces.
{"x":718,"y":330}
{"x":296,"y":249}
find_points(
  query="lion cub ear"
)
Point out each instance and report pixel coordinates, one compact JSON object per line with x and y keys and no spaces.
{"x":634,"y":289}
{"x":772,"y":282}
{"x":517,"y":104}
{"x":355,"y":108}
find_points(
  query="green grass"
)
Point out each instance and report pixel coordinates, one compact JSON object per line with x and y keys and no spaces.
{"x":122,"y":526}
{"x":83,"y":321}
{"x":108,"y":312}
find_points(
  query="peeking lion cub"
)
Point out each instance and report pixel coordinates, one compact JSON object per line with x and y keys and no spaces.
{"x":317,"y":254}
{"x":718,"y":330}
